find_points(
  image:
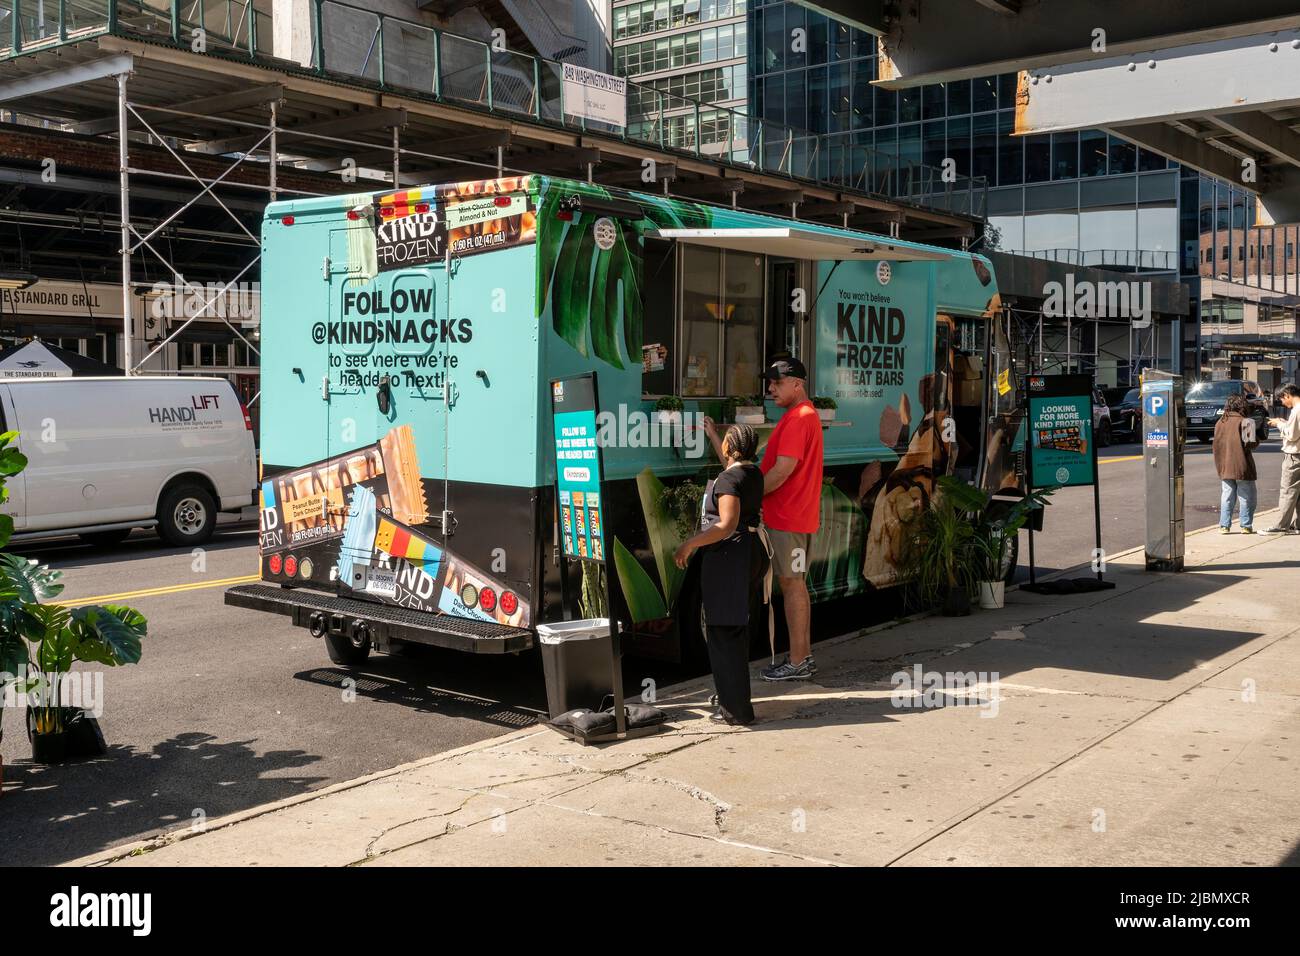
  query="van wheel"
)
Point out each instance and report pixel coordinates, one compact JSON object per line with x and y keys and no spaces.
{"x":345,"y":650}
{"x":187,"y":515}
{"x":105,"y":539}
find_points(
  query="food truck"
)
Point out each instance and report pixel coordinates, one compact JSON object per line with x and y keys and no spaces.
{"x":411,"y":342}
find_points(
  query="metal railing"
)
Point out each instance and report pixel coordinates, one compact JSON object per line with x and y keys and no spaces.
{"x":403,"y":56}
{"x":1121,"y":260}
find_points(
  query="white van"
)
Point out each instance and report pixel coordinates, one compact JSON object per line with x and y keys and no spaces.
{"x":106,"y":455}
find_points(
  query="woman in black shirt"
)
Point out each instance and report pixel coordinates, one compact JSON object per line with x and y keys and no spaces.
{"x":733,"y":566}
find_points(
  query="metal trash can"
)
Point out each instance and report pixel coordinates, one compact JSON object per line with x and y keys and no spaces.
{"x":576,"y":658}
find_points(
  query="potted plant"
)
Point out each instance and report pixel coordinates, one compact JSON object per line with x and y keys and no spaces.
{"x":939,"y":560}
{"x":825,"y":408}
{"x":995,"y":525}
{"x":746,"y":409}
{"x":40,"y":641}
{"x":668,"y":410}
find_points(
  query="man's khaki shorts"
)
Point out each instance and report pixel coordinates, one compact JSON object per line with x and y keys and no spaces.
{"x":789,"y":553}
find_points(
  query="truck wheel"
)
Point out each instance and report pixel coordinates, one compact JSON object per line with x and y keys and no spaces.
{"x":1103,"y":435}
{"x":345,"y":650}
{"x":1011,"y":561}
{"x":187,"y":515}
{"x":105,"y":539}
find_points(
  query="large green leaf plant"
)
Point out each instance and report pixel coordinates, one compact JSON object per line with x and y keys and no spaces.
{"x":40,"y":641}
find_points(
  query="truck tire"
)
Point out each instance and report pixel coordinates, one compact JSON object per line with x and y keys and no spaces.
{"x":187,"y":516}
{"x":1103,"y":435}
{"x":346,"y":651}
{"x":104,"y":539}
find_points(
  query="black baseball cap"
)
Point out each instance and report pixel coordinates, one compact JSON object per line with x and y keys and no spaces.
{"x":786,"y":368}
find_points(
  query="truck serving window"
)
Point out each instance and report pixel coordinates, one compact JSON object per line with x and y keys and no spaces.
{"x":722,"y":322}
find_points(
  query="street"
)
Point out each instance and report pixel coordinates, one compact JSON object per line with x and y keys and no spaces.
{"x":1068,"y":534}
{"x":230,"y":708}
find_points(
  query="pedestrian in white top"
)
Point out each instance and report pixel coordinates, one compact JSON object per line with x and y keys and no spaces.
{"x":1289,"y":497}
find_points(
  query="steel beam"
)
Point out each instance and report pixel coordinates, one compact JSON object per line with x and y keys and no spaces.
{"x":1164,"y":139}
{"x":351,"y":123}
{"x":66,"y":76}
{"x":931,"y":42}
{"x":1227,"y":76}
{"x":1262,"y":133}
{"x":207,"y":105}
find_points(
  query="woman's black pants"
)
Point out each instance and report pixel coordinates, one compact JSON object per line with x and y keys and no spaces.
{"x":729,"y":660}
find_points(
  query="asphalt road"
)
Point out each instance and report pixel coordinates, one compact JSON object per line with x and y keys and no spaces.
{"x":1068,"y":532}
{"x":231,"y":708}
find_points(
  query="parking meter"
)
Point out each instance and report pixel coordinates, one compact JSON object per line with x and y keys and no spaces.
{"x":1163,"y":434}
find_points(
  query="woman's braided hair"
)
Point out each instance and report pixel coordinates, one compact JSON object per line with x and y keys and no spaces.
{"x":743,"y":442}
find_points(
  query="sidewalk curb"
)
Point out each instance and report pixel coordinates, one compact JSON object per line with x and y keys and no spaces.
{"x":671,"y":693}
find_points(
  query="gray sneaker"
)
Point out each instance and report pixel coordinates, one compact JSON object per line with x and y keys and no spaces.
{"x":788,"y":671}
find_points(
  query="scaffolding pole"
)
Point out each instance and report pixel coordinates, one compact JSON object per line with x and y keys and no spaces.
{"x":124,"y":198}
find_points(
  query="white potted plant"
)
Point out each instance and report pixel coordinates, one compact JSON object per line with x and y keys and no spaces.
{"x":668,"y":410}
{"x":825,"y":408}
{"x":748,"y":410}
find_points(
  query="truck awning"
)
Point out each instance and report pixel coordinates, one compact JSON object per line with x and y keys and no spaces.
{"x":799,"y":244}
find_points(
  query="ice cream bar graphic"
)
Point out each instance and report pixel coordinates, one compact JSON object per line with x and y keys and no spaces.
{"x":400,"y":543}
{"x":359,"y":532}
{"x":402,"y":468}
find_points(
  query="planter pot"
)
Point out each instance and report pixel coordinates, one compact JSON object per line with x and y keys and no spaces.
{"x":49,"y":748}
{"x":956,"y":603}
{"x":826,"y":414}
{"x":668,"y":418}
{"x":992,"y":594}
{"x":81,"y":735}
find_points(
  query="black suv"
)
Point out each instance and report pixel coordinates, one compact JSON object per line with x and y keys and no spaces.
{"x":1204,"y":402}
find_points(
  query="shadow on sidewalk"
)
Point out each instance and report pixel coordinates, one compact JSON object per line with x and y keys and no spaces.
{"x":59,"y":813}
{"x":1094,"y":646}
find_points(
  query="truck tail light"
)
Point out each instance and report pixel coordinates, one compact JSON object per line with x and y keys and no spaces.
{"x":487,"y":599}
{"x":275,"y":564}
{"x":248,"y":419}
{"x":509,"y":603}
{"x":501,"y":201}
{"x":291,"y":565}
{"x":286,"y":220}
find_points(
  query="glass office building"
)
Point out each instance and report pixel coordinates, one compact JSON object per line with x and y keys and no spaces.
{"x":1083,"y":198}
{"x":686,"y":50}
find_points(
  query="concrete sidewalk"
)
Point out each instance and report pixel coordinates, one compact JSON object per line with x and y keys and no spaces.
{"x":1158,"y":723}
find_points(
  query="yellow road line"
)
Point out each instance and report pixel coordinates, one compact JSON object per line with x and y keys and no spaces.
{"x":158,"y":591}
{"x":1107,"y":461}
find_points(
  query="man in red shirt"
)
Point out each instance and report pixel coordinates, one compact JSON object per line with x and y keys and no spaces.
{"x":792,"y":487}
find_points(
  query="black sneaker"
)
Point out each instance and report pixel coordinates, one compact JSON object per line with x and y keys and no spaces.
{"x":804,"y":670}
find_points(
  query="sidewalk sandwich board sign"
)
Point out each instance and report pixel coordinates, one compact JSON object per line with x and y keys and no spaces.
{"x":1061,"y":445}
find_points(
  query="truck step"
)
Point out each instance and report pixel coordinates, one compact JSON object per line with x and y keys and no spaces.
{"x":385,"y":622}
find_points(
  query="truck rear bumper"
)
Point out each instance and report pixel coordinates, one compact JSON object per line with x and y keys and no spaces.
{"x":324,"y":612}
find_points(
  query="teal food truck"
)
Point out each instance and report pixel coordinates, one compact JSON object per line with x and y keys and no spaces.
{"x":410,"y":342}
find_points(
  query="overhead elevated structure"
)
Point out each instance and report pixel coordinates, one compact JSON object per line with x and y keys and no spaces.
{"x":1214,"y":86}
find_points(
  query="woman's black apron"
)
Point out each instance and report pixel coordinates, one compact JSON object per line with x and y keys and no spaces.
{"x":731,"y":571}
